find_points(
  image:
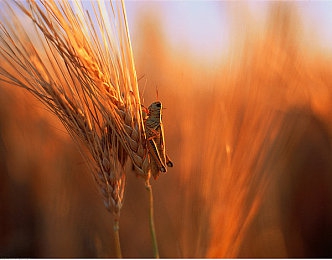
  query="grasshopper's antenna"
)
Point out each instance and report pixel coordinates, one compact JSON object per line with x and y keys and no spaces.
{"x":157,"y":92}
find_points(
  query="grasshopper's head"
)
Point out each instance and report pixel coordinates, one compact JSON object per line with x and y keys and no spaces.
{"x":155,"y":108}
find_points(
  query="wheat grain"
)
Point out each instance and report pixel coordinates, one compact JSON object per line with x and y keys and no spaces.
{"x":85,"y":75}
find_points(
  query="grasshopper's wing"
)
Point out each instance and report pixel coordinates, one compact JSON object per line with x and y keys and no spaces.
{"x":155,"y":170}
{"x":162,"y":148}
{"x":160,"y":141}
{"x":154,"y":152}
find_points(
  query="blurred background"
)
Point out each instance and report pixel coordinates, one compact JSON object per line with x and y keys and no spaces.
{"x":247,"y":90}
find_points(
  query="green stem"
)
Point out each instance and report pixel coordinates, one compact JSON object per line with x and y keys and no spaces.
{"x":117,"y":239}
{"x":151,"y":216}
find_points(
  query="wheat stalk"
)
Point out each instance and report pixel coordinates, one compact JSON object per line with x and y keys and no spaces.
{"x":78,"y":61}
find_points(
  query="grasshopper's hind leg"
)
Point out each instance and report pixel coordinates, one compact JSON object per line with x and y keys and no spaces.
{"x":169,"y":163}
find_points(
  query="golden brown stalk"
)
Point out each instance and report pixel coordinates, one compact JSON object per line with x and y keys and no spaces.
{"x":76,"y":58}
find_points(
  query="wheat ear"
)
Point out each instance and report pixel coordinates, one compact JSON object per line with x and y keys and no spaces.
{"x":80,"y":65}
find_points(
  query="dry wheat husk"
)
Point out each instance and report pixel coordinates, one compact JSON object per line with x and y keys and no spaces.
{"x":79,"y":63}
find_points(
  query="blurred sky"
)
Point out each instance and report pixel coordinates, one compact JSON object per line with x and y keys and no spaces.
{"x":193,"y":25}
{"x":202,"y":28}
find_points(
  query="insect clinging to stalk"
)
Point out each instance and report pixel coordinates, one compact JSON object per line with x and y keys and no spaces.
{"x":155,"y":139}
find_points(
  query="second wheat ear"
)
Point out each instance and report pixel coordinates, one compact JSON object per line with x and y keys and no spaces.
{"x":155,"y":140}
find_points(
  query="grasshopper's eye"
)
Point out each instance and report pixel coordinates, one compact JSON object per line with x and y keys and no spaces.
{"x":158,"y":104}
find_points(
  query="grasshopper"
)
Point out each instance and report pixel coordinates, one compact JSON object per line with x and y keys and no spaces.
{"x":155,"y":140}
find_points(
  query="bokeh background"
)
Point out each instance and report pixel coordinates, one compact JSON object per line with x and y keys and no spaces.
{"x":247,"y":90}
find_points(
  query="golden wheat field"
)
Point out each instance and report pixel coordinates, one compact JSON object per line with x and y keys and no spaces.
{"x":249,"y":133}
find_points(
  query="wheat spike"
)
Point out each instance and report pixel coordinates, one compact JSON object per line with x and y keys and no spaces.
{"x":76,"y":58}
